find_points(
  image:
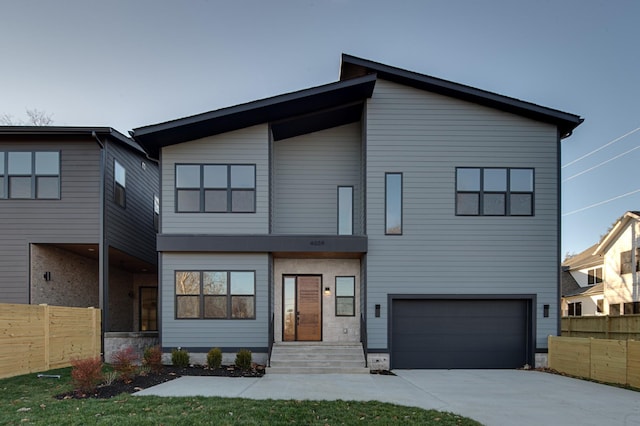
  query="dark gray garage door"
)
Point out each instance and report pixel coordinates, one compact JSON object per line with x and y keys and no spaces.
{"x":444,"y":333}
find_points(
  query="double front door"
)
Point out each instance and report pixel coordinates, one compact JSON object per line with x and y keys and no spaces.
{"x":302,"y":308}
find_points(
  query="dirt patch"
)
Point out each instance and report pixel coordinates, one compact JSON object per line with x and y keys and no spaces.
{"x":147,"y":380}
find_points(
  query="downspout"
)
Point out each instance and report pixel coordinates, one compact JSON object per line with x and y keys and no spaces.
{"x":103,"y":288}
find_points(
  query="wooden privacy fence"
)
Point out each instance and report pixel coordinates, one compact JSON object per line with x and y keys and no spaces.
{"x":602,"y":327}
{"x":40,"y":337}
{"x":611,"y":361}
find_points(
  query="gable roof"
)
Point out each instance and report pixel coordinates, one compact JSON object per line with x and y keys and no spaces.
{"x":585,"y":259}
{"x":291,"y":114}
{"x":617,"y":229}
{"x":353,"y":66}
{"x":568,"y":284}
{"x":66,"y":131}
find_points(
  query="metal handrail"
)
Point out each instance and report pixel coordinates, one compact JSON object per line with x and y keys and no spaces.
{"x":271,"y":339}
{"x":363,"y":338}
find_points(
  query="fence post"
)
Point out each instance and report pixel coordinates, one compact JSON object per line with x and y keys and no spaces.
{"x":47,"y":343}
{"x":93,"y":331}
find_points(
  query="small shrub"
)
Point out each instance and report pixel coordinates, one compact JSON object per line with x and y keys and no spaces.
{"x":180,"y":357}
{"x":243,"y":359}
{"x":110,"y":377}
{"x":124,"y":363}
{"x":152,"y":358}
{"x":86,"y":373}
{"x":214,"y":358}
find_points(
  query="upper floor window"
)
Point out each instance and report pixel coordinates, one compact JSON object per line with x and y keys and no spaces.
{"x":345,"y":210}
{"x":216,"y":188}
{"x":29,"y":175}
{"x":594,"y":276}
{"x":156,"y":212}
{"x":393,"y":203}
{"x":215,"y":294}
{"x":494,"y":191}
{"x":119,"y":189}
{"x":626,"y":262}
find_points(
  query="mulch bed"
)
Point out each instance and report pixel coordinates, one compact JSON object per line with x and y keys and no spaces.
{"x":168,"y":373}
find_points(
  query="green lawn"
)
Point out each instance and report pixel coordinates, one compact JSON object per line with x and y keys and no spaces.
{"x":26,"y":400}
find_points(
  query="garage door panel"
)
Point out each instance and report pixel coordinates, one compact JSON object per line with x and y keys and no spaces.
{"x":453,"y":333}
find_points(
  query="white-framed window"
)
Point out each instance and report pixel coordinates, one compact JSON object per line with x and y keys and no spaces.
{"x":594,"y":276}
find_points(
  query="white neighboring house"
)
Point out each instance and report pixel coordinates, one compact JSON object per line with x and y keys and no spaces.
{"x":621,"y":253}
{"x":582,"y":284}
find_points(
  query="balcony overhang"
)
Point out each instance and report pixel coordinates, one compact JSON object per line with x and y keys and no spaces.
{"x":280,"y":245}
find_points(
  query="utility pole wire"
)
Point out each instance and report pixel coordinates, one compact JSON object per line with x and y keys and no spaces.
{"x":601,"y":148}
{"x":601,"y":164}
{"x":601,"y":203}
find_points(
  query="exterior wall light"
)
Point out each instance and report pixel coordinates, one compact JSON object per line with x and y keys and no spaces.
{"x":47,"y":276}
{"x":327,"y":291}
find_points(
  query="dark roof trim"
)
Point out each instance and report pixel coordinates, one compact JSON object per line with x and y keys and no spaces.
{"x":276,"y":108}
{"x":353,"y":66}
{"x":71,"y":131}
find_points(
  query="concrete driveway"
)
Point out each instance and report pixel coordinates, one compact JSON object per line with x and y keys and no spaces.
{"x":493,"y":397}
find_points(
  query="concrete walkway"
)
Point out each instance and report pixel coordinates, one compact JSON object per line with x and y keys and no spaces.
{"x":493,"y":397}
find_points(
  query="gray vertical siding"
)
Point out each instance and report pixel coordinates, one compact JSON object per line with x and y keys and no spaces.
{"x":130,"y":229}
{"x":214,"y":333}
{"x":75,"y":218}
{"x":307,"y":172}
{"x":245,"y":146}
{"x":426,"y":136}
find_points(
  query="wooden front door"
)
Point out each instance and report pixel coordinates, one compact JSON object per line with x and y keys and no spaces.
{"x":302,"y":302}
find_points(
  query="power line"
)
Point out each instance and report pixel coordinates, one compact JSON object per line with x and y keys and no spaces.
{"x":601,"y":148}
{"x":602,"y":163}
{"x":601,"y":203}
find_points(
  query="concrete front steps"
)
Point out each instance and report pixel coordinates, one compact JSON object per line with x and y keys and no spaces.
{"x":317,"y":358}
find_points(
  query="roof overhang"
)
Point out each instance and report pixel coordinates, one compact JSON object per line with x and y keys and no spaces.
{"x":67,"y":131}
{"x":291,"y":114}
{"x":354,"y":67}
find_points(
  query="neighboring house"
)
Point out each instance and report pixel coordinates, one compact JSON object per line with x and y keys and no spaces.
{"x":621,"y":251}
{"x":415,"y":215}
{"x":77,"y":223}
{"x":582,"y":284}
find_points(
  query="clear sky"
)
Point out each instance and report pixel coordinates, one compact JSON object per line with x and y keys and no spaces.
{"x":131,"y":63}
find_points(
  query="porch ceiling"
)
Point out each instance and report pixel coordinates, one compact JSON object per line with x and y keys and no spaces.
{"x":117,"y":258}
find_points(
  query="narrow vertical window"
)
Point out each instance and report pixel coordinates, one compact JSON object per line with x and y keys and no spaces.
{"x":148,"y":308}
{"x":156,"y":212}
{"x":119,"y":193}
{"x":188,"y":188}
{"x":3,"y":193}
{"x":393,"y":203}
{"x":345,"y":210}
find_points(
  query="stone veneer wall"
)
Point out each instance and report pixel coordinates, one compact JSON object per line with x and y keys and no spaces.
{"x":333,"y":327}
{"x":74,"y":278}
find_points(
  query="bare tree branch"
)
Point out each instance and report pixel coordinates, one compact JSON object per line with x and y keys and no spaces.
{"x":36,"y":118}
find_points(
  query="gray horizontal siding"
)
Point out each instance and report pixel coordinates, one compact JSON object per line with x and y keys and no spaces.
{"x":246,"y":146}
{"x":307,"y":172}
{"x":75,"y":218}
{"x":214,"y":333}
{"x":131,"y":229}
{"x":425,"y":137}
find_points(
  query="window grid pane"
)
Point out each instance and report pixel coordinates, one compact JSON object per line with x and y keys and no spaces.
{"x":188,"y":176}
{"x":243,"y":177}
{"x":188,"y":200}
{"x":1,"y":163}
{"x":47,"y":163}
{"x":47,"y":187}
{"x":19,"y":163}
{"x":242,"y":307}
{"x":19,"y":187}
{"x":215,"y":177}
{"x":242,"y":201}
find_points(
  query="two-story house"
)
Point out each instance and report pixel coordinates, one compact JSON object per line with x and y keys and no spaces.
{"x":78,"y":216}
{"x":414,"y":215}
{"x":583,"y":285}
{"x":620,"y":249}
